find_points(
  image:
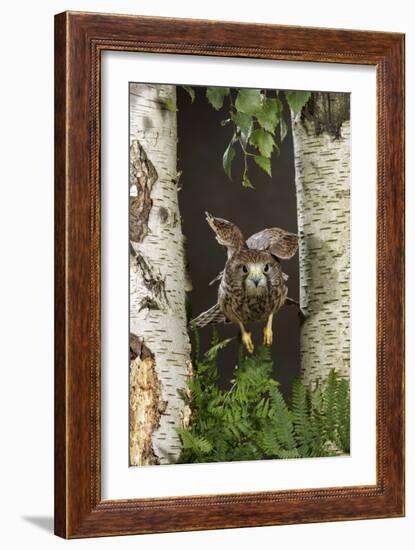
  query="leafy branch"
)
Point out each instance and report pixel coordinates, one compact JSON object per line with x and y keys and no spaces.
{"x":258,"y":121}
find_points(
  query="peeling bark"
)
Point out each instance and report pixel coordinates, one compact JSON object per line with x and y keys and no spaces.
{"x":157,"y":280}
{"x":187,"y":413}
{"x":146,"y":404}
{"x":321,"y":135}
{"x":153,"y":281}
{"x":143,"y":175}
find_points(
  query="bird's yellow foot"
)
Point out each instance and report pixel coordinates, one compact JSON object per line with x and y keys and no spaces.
{"x":247,"y":341}
{"x":268,"y":336}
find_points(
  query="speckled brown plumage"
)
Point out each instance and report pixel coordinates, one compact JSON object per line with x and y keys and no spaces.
{"x":252,"y":285}
{"x":244,"y":298}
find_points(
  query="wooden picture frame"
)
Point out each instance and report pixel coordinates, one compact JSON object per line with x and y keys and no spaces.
{"x":79,"y":40}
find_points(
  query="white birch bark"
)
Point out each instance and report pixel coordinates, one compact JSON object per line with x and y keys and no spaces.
{"x":160,"y":361}
{"x":321,"y":135}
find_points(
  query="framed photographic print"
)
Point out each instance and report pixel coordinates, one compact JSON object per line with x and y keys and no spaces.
{"x":229,"y":213}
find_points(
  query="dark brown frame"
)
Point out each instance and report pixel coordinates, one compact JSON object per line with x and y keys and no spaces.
{"x":79,"y":40}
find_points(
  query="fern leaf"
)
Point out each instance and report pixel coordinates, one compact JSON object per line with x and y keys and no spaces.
{"x":200,"y":445}
{"x":252,"y":420}
{"x":329,"y":405}
{"x":213,"y":351}
{"x":292,"y":453}
{"x":267,"y":442}
{"x":343,"y":416}
{"x":316,"y":422}
{"x":301,"y":417}
{"x":196,"y":345}
{"x":283,"y":424}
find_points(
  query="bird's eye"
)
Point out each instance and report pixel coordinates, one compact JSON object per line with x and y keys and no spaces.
{"x":266,"y":268}
{"x":244,"y":269}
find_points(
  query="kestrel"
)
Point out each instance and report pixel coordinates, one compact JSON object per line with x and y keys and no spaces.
{"x":252,"y":285}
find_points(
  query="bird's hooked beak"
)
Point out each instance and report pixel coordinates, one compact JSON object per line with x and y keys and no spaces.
{"x":255,"y":274}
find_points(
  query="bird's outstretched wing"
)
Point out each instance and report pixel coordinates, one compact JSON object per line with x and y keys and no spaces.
{"x":227,"y":233}
{"x":212,"y":316}
{"x":278,"y":242}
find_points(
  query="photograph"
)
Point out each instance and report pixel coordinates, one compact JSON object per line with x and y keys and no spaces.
{"x":239,"y":265}
{"x":229,"y":272}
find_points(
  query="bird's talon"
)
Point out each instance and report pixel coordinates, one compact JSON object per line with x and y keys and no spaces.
{"x":267,"y":336}
{"x":247,"y":341}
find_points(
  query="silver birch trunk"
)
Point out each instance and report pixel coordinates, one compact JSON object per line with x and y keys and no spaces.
{"x":321,"y":135}
{"x":159,"y":342}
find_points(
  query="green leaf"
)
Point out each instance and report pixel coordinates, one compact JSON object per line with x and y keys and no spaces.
{"x":292,"y":453}
{"x":252,"y":420}
{"x":195,"y":344}
{"x":301,"y":415}
{"x":283,"y":129}
{"x":216,"y":96}
{"x":249,"y":101}
{"x":329,"y":404}
{"x":214,"y":350}
{"x":270,"y":114}
{"x":228,"y":157}
{"x":343,"y":415}
{"x":190,"y":91}
{"x":283,"y":426}
{"x":263,"y":141}
{"x":243,"y":122}
{"x":267,"y":441}
{"x":247,"y":183}
{"x":297,"y":100}
{"x":170,"y":105}
{"x":264,"y":163}
{"x":191,"y":441}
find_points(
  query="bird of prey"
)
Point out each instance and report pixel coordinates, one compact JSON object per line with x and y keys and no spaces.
{"x":252,"y":285}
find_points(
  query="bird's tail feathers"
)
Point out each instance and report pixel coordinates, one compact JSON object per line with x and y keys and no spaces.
{"x":212,"y":316}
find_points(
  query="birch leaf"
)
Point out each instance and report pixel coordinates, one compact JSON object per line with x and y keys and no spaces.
{"x":297,"y":100}
{"x":243,"y":122}
{"x":228,"y":157}
{"x":190,"y":91}
{"x":264,"y":163}
{"x":216,"y":96}
{"x":170,"y":105}
{"x":248,"y":101}
{"x":269,"y":116}
{"x":246,"y":182}
{"x":263,"y":140}
{"x":283,"y":129}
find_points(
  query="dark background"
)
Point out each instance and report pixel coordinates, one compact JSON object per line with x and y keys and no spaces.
{"x":205,"y":187}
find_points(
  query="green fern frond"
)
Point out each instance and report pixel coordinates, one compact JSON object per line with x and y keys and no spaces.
{"x":301,"y":415}
{"x":343,"y":415}
{"x":214,"y":350}
{"x":267,"y":442}
{"x":329,"y":405}
{"x":198,"y":444}
{"x":252,"y":420}
{"x":196,"y":344}
{"x":283,"y":425}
